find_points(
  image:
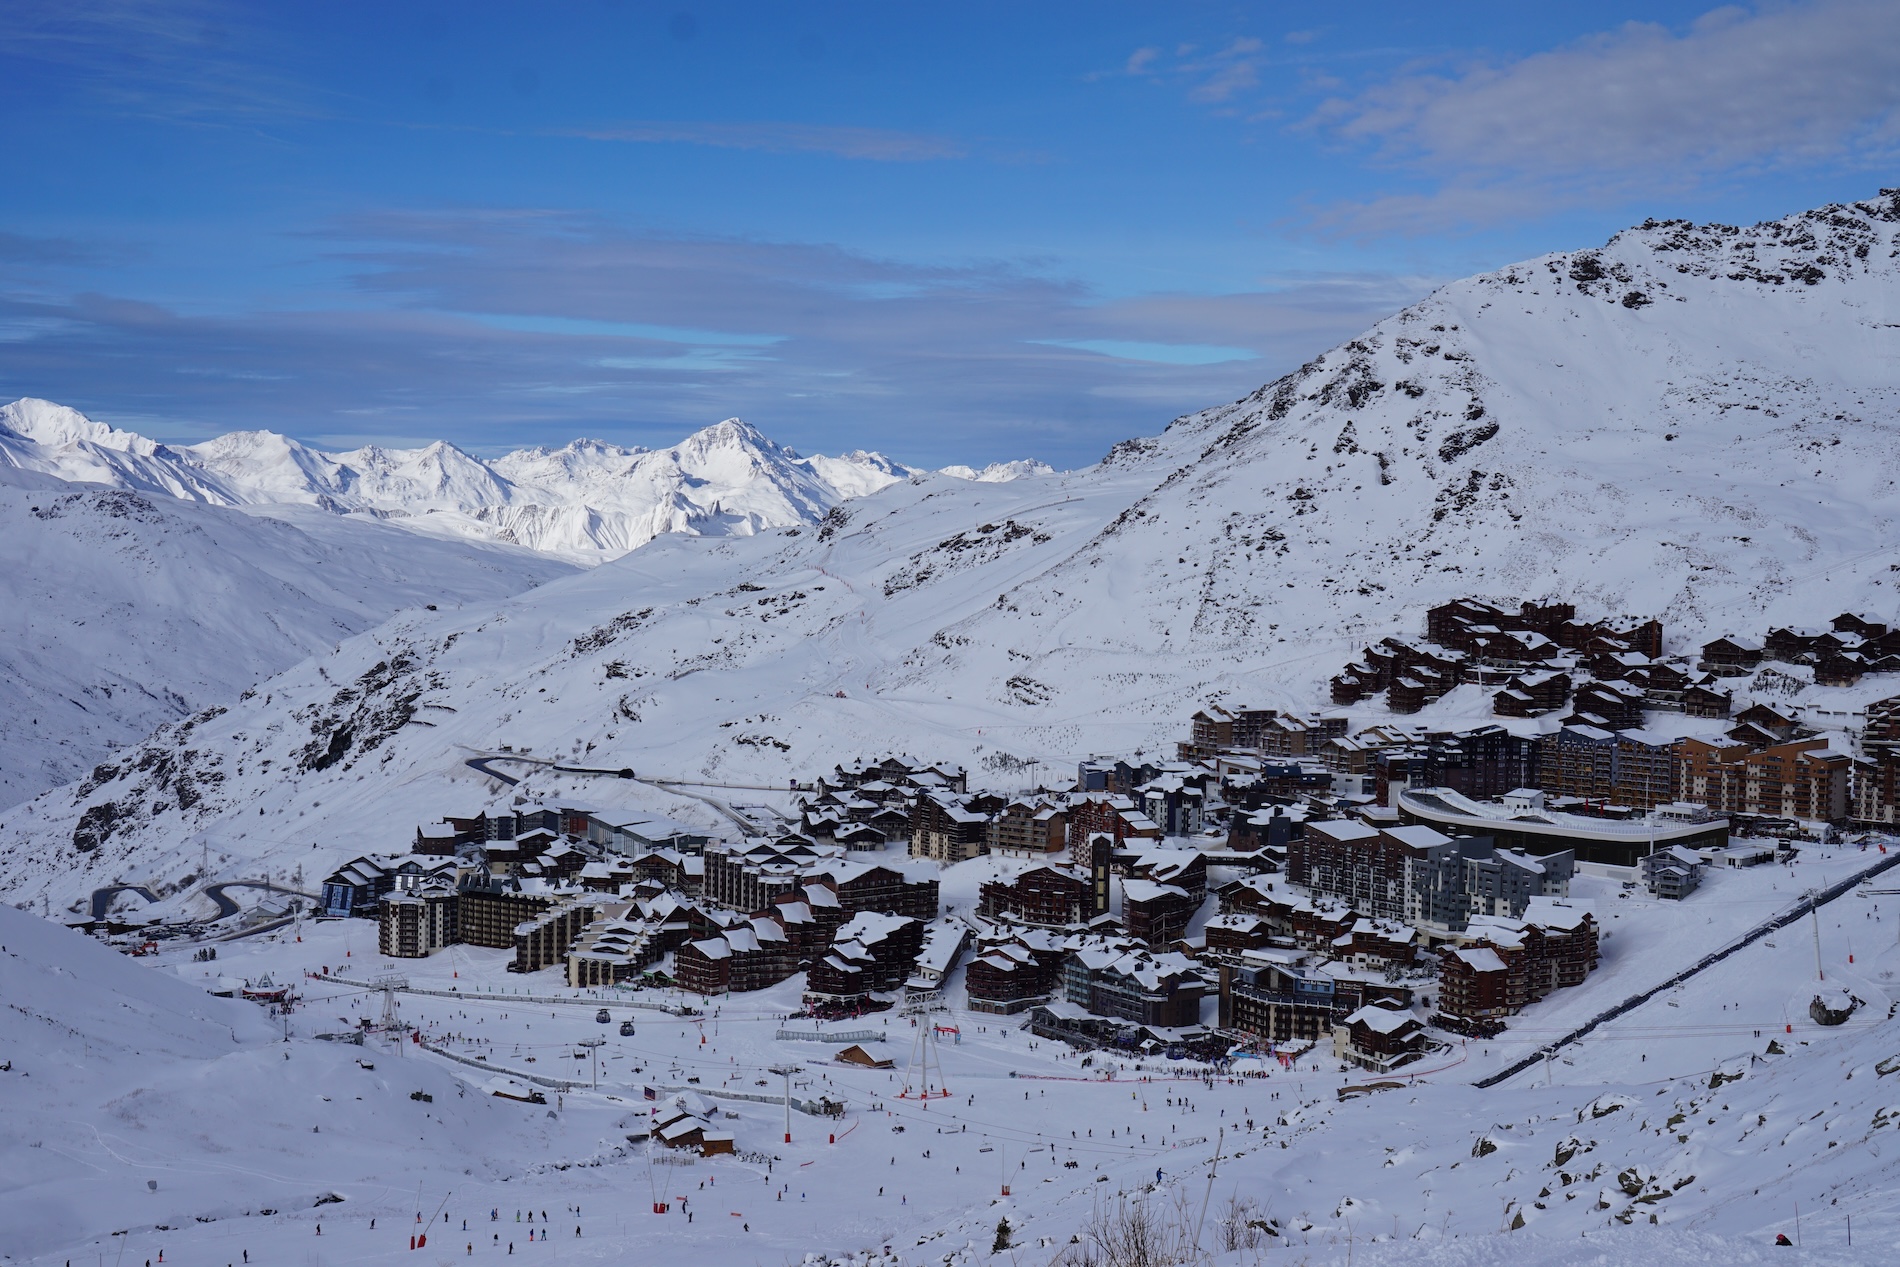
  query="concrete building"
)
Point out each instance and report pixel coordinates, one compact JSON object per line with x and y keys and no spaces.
{"x":416,"y":924}
{"x":1527,"y":820}
{"x":544,"y":939}
{"x":1672,"y":873}
{"x":1450,"y":879}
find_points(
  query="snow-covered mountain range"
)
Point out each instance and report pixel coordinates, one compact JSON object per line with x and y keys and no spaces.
{"x":145,"y":581}
{"x":1694,"y":422}
{"x":584,"y":502}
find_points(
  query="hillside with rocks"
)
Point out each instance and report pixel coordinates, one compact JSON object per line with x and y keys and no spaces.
{"x":121,"y":611}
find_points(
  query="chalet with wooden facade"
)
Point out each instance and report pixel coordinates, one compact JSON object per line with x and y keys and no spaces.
{"x":1049,"y":896}
{"x":1013,"y":973}
{"x":1633,"y":767}
{"x":1284,"y":996}
{"x":870,"y":952}
{"x":1380,"y":1038}
{"x":1115,"y":978}
{"x":1500,"y":966}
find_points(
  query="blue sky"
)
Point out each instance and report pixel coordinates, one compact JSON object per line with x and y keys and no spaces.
{"x":951,"y":232}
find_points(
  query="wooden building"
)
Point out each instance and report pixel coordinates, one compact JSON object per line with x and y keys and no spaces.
{"x":1030,"y":827}
{"x":1379,"y":1038}
{"x":1013,"y":974}
{"x":1045,"y":896}
{"x":1608,"y":705}
{"x":1634,"y":768}
{"x":1156,"y":914}
{"x":1504,"y":965}
{"x":1730,"y":657}
{"x":1532,"y":694}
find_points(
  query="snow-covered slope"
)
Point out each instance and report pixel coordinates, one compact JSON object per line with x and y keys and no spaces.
{"x":585,"y":502}
{"x":120,"y":611}
{"x":133,"y":1106}
{"x":132,"y":1101}
{"x":1696,"y":423}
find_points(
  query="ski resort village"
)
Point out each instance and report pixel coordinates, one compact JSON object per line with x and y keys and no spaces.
{"x":1291,"y":923}
{"x":1286,"y":879}
{"x":1441,"y":807}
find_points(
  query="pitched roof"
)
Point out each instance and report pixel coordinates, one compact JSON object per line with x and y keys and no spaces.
{"x":1383,"y":1020}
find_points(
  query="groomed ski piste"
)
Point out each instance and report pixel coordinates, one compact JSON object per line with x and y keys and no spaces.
{"x":144,"y":1115}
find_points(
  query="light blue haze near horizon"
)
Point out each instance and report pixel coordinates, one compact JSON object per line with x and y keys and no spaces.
{"x":952,"y":233}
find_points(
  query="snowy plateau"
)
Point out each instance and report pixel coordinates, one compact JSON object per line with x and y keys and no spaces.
{"x":1694,"y":422}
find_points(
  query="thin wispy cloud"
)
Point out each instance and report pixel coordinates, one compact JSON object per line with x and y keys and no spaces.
{"x":1225,"y":74}
{"x":875,"y":144}
{"x":187,"y":61}
{"x":1230,"y":75}
{"x":22,"y":248}
{"x":504,"y":329}
{"x":1141,"y":61}
{"x":1638,"y":108}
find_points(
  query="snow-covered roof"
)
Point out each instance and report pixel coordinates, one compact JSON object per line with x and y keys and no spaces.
{"x":1446,"y":806}
{"x":1149,"y":890}
{"x":1417,"y":835}
{"x":1382,"y":1020}
{"x":1557,"y":912}
{"x":1344,"y":830}
{"x":714,"y":948}
{"x":1481,"y":958}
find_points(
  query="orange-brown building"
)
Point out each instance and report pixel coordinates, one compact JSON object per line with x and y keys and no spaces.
{"x":1802,"y":779}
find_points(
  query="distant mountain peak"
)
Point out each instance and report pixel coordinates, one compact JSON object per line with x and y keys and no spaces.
{"x":46,"y":422}
{"x":733,"y":433}
{"x":1001,"y":472}
{"x":585,"y":501}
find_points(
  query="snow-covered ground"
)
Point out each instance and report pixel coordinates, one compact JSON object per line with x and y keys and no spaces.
{"x":124,"y":1074}
{"x":122,"y":611}
{"x":1646,"y":940}
{"x":1691,"y":422}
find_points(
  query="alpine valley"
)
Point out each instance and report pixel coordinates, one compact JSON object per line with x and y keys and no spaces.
{"x":144,"y":581}
{"x":1692,"y":422}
